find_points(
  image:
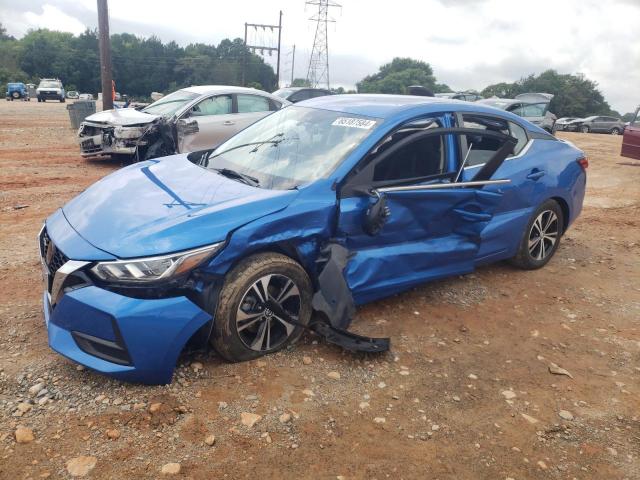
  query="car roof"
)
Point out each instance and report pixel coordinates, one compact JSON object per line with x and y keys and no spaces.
{"x":296,"y":89}
{"x":205,"y":89}
{"x":388,"y":106}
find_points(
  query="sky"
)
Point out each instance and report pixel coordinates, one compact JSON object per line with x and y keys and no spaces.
{"x":469,"y":43}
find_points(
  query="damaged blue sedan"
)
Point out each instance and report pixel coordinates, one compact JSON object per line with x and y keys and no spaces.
{"x":293,"y":223}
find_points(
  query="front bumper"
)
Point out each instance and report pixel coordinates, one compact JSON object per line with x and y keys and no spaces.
{"x":131,"y":339}
{"x":97,"y":139}
{"x":50,"y":95}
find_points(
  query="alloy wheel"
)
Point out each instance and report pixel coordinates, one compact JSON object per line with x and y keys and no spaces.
{"x":615,"y":131}
{"x":258,"y":327}
{"x":543,"y":235}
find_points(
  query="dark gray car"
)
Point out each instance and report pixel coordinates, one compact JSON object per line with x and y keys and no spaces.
{"x":601,"y":124}
{"x":298,"y":94}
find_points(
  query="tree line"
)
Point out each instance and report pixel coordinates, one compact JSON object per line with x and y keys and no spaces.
{"x":142,"y":65}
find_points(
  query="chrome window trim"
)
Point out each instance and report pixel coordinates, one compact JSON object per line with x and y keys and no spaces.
{"x":522,"y":153}
{"x":440,"y":186}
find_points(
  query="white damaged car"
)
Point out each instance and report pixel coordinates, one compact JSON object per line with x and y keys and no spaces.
{"x":191,"y":119}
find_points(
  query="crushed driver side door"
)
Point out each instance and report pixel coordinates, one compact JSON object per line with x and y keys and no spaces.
{"x":433,"y":225}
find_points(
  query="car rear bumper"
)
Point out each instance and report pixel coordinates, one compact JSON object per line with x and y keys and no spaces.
{"x":137,"y":340}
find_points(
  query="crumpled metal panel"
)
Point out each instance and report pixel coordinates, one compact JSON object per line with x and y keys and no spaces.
{"x":429,"y":234}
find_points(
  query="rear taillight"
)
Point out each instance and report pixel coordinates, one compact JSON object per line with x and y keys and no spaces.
{"x":584,"y":162}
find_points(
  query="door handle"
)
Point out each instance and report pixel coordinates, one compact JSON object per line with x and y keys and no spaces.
{"x":536,"y":174}
{"x":473,"y":216}
{"x":229,"y":122}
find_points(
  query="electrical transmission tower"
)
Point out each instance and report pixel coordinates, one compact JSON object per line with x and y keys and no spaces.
{"x":318,"y":73}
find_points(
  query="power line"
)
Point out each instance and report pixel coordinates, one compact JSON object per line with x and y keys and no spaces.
{"x":318,"y":72}
{"x":260,"y":45}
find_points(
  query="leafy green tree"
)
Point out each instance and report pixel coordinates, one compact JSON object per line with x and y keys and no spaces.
{"x":401,"y":73}
{"x":3,"y":33}
{"x":574,"y":95}
{"x":140,"y":65}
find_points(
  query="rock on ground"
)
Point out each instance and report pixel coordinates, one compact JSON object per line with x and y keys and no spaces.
{"x":81,"y":466}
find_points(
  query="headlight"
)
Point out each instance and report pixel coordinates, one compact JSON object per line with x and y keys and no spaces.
{"x":151,"y":269}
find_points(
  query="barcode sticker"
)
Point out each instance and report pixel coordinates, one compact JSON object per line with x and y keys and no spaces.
{"x":354,"y":122}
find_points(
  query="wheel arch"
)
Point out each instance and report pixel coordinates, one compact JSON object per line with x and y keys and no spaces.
{"x":566,"y":212}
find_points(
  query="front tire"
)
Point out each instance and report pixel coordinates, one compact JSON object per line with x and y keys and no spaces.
{"x":585,"y":129}
{"x":615,"y":131}
{"x":243,"y":328}
{"x":541,"y":237}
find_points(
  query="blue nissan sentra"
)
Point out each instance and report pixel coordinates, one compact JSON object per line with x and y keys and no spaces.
{"x":313,"y":210}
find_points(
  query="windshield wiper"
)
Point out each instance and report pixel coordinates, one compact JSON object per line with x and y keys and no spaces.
{"x":250,"y":144}
{"x":243,"y":177}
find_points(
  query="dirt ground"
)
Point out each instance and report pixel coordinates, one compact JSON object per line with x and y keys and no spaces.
{"x":465,"y":393}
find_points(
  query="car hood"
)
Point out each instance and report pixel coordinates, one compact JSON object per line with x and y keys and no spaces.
{"x":122,"y":117}
{"x":167,"y":205}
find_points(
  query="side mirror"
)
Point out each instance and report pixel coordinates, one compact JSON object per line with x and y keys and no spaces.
{"x":188,"y":126}
{"x":376,"y":215}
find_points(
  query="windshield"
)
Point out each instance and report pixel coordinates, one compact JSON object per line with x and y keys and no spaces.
{"x":170,"y":104}
{"x":283,"y":92}
{"x":49,"y":85}
{"x":291,"y":147}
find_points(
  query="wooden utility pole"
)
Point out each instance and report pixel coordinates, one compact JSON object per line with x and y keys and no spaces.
{"x":105,"y":55}
{"x":279,"y":38}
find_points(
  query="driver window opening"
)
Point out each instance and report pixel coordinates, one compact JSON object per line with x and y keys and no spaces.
{"x":220,"y":105}
{"x":423,"y":158}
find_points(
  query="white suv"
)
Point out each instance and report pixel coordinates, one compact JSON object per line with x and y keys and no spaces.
{"x":50,"y":89}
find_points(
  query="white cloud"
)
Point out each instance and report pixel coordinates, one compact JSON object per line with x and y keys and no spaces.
{"x":54,"y":19}
{"x":470,"y":43}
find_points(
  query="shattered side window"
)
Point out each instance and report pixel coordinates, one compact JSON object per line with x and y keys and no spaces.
{"x":423,"y":158}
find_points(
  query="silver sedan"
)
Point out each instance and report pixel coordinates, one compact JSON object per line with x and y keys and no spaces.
{"x":199,"y":118}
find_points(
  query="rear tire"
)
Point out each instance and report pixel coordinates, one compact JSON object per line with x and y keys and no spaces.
{"x":541,"y":237}
{"x":243,"y":329}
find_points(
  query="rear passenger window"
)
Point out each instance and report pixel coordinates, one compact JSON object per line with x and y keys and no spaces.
{"x":519,"y":133}
{"x":252,"y":103}
{"x":480,"y":149}
{"x":483,"y":148}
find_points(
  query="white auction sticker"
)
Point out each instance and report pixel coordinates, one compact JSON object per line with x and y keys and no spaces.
{"x":354,"y":122}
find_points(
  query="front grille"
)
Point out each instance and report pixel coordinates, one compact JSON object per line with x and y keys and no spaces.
{"x":53,"y":257}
